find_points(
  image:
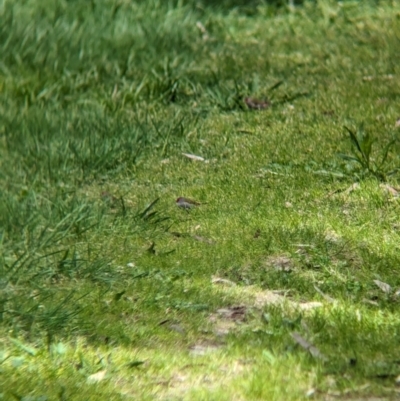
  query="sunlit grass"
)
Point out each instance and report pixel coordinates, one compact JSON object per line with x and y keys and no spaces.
{"x":110,"y":291}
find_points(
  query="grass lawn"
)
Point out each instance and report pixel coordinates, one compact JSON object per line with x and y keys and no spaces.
{"x":283,"y":284}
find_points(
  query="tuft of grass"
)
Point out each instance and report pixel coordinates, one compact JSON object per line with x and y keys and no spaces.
{"x":362,"y":142}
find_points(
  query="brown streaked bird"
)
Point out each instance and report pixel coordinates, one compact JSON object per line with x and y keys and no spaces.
{"x":109,"y":199}
{"x":256,"y":104}
{"x":186,"y":203}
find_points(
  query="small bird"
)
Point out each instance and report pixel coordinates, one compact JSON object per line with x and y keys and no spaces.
{"x":109,"y":199}
{"x":186,"y":203}
{"x":256,"y":104}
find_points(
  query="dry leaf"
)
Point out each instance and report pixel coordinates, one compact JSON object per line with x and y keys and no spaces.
{"x":383,"y":286}
{"x":312,"y":349}
{"x":397,"y":125}
{"x":193,"y":157}
{"x":97,"y":377}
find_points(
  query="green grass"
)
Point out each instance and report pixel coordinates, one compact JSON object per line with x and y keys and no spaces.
{"x":101,"y":273}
